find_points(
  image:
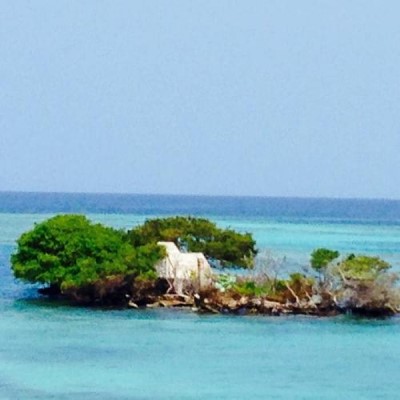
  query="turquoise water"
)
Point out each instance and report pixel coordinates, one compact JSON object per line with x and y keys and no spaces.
{"x":54,"y":351}
{"x":62,"y":353}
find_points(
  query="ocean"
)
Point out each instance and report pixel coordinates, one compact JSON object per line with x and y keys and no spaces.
{"x":50,"y":350}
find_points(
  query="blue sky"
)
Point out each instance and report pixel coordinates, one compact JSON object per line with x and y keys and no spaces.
{"x":270,"y":98}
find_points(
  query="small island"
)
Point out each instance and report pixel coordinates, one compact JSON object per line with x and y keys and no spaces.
{"x":191,"y":262}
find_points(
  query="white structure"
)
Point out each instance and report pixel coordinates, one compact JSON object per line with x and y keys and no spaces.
{"x":183,"y":269}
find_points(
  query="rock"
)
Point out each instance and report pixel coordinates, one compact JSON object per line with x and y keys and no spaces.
{"x":210,"y":309}
{"x":271,"y":304}
{"x":132,"y":304}
{"x":232,"y":304}
{"x":178,"y":297}
{"x":244,"y":301}
{"x":256,"y":302}
{"x":271,"y":307}
{"x":316,"y":299}
{"x":174,"y":303}
{"x":274,"y":312}
{"x":153,"y":305}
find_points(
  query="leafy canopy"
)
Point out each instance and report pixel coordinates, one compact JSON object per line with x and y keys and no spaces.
{"x":229,"y":247}
{"x":363,"y":267}
{"x":70,"y":251}
{"x":321,"y":258}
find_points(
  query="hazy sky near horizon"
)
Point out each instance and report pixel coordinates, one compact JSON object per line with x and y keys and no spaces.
{"x":286,"y":98}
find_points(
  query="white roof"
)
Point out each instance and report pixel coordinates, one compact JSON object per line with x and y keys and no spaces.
{"x":171,"y":247}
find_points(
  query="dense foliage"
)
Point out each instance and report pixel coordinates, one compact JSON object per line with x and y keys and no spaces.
{"x":320,"y":258}
{"x":359,"y":283}
{"x":228,"y":247}
{"x":70,"y":252}
{"x":362,"y":267}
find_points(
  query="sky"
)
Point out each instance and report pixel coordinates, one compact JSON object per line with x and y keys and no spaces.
{"x":260,"y":98}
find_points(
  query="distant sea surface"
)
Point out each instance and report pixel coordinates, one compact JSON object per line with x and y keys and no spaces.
{"x":54,"y":351}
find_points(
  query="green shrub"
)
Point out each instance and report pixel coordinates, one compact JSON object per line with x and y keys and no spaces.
{"x":228,"y":247}
{"x":321,"y":258}
{"x":362,"y":267}
{"x":225,"y":282}
{"x":252,"y":288}
{"x":69,"y":251}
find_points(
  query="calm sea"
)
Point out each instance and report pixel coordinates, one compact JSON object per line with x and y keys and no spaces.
{"x":53,"y":351}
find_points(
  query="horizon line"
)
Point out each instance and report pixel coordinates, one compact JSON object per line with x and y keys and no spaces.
{"x":199,"y":195}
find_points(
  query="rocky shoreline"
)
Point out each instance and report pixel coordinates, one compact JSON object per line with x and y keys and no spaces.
{"x":204,"y":303}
